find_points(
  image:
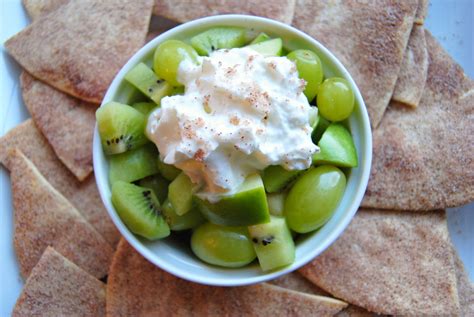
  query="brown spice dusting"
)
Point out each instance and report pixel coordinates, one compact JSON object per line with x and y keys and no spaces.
{"x":234,"y":120}
{"x":199,"y":155}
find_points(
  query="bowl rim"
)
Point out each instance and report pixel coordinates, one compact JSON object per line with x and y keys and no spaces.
{"x":102,"y":182}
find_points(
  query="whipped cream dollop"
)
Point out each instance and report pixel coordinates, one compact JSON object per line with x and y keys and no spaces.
{"x":240,"y":113}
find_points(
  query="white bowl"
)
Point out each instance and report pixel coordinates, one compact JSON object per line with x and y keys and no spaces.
{"x":177,"y":258}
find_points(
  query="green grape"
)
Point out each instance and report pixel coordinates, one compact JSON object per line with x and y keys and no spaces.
{"x":335,"y":99}
{"x":310,"y":69}
{"x":223,"y":246}
{"x":314,"y":197}
{"x":168,"y":56}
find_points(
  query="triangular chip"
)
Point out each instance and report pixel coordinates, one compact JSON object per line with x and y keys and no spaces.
{"x":412,"y":76}
{"x":422,"y":11}
{"x":465,"y":287}
{"x":58,"y":287}
{"x":185,"y":10}
{"x":391,"y":262}
{"x":83,"y":195}
{"x":79,"y":47}
{"x":66,"y":122}
{"x":368,"y":37}
{"x":43,"y":217}
{"x":299,"y":283}
{"x":36,"y":8}
{"x":423,"y":158}
{"x":138,"y":288}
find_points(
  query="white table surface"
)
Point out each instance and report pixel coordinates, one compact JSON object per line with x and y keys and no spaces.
{"x":450,"y":21}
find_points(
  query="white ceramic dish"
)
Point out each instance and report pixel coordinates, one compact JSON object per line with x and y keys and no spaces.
{"x":176,"y":258}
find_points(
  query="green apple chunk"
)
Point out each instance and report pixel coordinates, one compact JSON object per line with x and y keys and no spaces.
{"x":276,"y":203}
{"x":262,"y":37}
{"x":223,"y":246}
{"x":273,"y":243}
{"x":248,"y":206}
{"x":276,"y":178}
{"x":336,"y":147}
{"x":189,"y":220}
{"x":314,"y":197}
{"x":272,"y":47}
{"x":180,"y":194}
{"x":319,"y":128}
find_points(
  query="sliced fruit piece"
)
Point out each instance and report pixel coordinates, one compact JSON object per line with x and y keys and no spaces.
{"x":273,"y":243}
{"x":223,"y":246}
{"x":219,"y":37}
{"x":145,"y":107}
{"x":276,"y":178}
{"x":180,"y":194}
{"x":248,"y":206}
{"x":319,"y":129}
{"x":133,"y":165}
{"x":168,"y":171}
{"x":121,"y":127}
{"x":313,"y":117}
{"x":335,"y":99}
{"x":168,"y":56}
{"x":310,"y":69}
{"x":276,"y":203}
{"x":189,"y":220}
{"x":139,"y":210}
{"x":158,"y":184}
{"x":272,"y":47}
{"x":262,"y":37}
{"x":336,"y":147}
{"x":177,"y":91}
{"x":145,"y":80}
{"x":314,"y":197}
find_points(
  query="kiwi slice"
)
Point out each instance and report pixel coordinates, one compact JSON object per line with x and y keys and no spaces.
{"x":273,"y":243}
{"x":158,"y":184}
{"x":139,"y":210}
{"x":219,"y":37}
{"x":168,"y":171}
{"x":121,"y":127}
{"x":145,"y":80}
{"x":145,"y":107}
{"x":262,"y":37}
{"x":133,"y":165}
{"x":189,"y":220}
{"x":276,"y":178}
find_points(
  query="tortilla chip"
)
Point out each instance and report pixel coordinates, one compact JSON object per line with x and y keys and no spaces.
{"x":159,"y":25}
{"x":66,"y":122}
{"x":422,"y":11}
{"x":185,"y":10}
{"x":79,"y":47}
{"x":368,"y":37}
{"x":297,"y":282}
{"x":465,"y":287}
{"x":391,"y":262}
{"x":57,"y":287}
{"x":36,"y":8}
{"x":412,"y":77}
{"x":155,"y":292}
{"x":423,"y":158}
{"x":83,"y":195}
{"x":43,"y":217}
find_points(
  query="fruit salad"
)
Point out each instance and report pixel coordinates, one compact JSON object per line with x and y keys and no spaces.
{"x":233,"y":139}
